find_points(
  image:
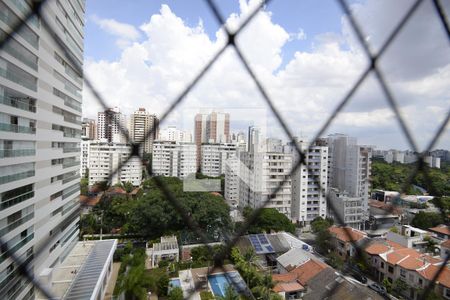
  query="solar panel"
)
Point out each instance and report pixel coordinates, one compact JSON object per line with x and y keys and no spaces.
{"x":269,"y":248}
{"x":262,"y":238}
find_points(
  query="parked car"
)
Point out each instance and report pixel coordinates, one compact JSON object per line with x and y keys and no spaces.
{"x":358,"y":276}
{"x":378,"y":288}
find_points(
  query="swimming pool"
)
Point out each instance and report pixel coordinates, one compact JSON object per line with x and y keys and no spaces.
{"x":174,"y":282}
{"x":220,"y":282}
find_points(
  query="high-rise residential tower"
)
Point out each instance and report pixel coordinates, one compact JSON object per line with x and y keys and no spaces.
{"x":211,"y":128}
{"x":141,"y":129}
{"x":89,"y":129}
{"x":111,"y":125}
{"x":40,"y":130}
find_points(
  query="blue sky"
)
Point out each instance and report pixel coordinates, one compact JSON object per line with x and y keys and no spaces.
{"x":311,"y":16}
{"x":305,"y":75}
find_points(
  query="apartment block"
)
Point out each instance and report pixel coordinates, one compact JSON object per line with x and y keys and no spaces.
{"x":174,"y":159}
{"x":89,"y":129}
{"x":111,"y":125}
{"x":260,"y":172}
{"x":141,"y":129}
{"x":211,"y":128}
{"x":214,"y":158}
{"x":104,"y":158}
{"x":171,"y":133}
{"x":309,"y":183}
{"x":232,"y":180}
{"x":40,"y":129}
{"x":347,"y":210}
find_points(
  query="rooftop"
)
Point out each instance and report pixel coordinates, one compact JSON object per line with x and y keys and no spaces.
{"x":347,"y":234}
{"x":293,"y":258}
{"x":442,"y":229}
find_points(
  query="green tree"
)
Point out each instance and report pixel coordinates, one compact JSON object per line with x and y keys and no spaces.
{"x":127,"y":186}
{"x":387,"y":285}
{"x":230,"y":294}
{"x":175,"y":293}
{"x":134,"y":284}
{"x":319,"y":224}
{"x":399,"y":286}
{"x":425,"y":220}
{"x":84,"y":186}
{"x":431,"y":245}
{"x":269,"y":219}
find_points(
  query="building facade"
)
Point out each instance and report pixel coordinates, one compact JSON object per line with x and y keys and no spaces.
{"x":141,"y":129}
{"x":111,"y":125}
{"x":171,"y":133}
{"x":211,"y":128}
{"x":260,"y":172}
{"x":89,"y":129}
{"x":214,"y":158}
{"x":39,"y":153}
{"x":309,"y":188}
{"x":104,"y":158}
{"x":174,"y":159}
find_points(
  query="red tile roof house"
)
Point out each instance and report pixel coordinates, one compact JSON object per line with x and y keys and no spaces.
{"x":442,"y":232}
{"x":344,"y":239}
{"x":392,"y":261}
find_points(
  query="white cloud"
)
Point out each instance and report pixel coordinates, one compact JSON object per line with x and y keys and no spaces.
{"x":125,"y":33}
{"x":306,"y":89}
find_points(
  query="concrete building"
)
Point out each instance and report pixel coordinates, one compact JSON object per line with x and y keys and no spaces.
{"x":349,"y":167}
{"x":104,"y":158}
{"x":231,"y":190}
{"x":260,"y":172}
{"x":309,"y":189}
{"x":111,"y":125}
{"x":432,"y":161}
{"x":170,"y":158}
{"x":211,"y":128}
{"x":166,"y":250}
{"x":39,"y":210}
{"x":409,"y":237}
{"x":141,"y":129}
{"x":214,"y":158}
{"x":171,"y":133}
{"x":89,"y":129}
{"x":347,"y":210}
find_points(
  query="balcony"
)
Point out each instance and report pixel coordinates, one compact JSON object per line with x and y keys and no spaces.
{"x":16,"y":224}
{"x":13,"y":102}
{"x":16,"y":152}
{"x":9,"y":178}
{"x":71,"y":149}
{"x":17,"y":128}
{"x":16,"y":200}
{"x":16,"y":247}
{"x":70,"y":164}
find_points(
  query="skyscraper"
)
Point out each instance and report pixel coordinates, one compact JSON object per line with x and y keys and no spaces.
{"x":39,"y":153}
{"x":141,"y":123}
{"x":211,"y":128}
{"x":89,"y":129}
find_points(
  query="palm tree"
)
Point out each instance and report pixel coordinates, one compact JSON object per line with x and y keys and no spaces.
{"x":134,"y":283}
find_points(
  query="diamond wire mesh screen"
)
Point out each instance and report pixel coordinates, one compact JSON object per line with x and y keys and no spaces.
{"x":372,"y":68}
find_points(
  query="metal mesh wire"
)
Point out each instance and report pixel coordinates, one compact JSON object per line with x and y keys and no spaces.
{"x":372,"y":68}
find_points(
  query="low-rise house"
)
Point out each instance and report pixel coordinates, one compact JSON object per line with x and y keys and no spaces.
{"x":345,"y":239}
{"x":288,"y":286}
{"x":445,"y":248}
{"x":292,"y":259}
{"x":441,"y":232}
{"x":409,"y":237}
{"x":392,"y":261}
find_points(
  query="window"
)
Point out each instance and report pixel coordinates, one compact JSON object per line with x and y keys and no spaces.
{"x":420,"y":281}
{"x":382,"y":265}
{"x":390,"y":269}
{"x":403,"y":273}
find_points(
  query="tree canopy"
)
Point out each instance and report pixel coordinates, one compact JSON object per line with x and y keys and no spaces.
{"x":269,"y":219}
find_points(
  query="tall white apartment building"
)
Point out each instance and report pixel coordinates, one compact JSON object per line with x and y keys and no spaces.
{"x":231,"y":190}
{"x":174,"y":159}
{"x":141,"y":124}
{"x":214,"y":158}
{"x":111,"y":125}
{"x":171,"y":133}
{"x":309,"y":188}
{"x":260,"y":172}
{"x":84,"y":157}
{"x":350,"y":167}
{"x":104,"y":158}
{"x":40,"y":129}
